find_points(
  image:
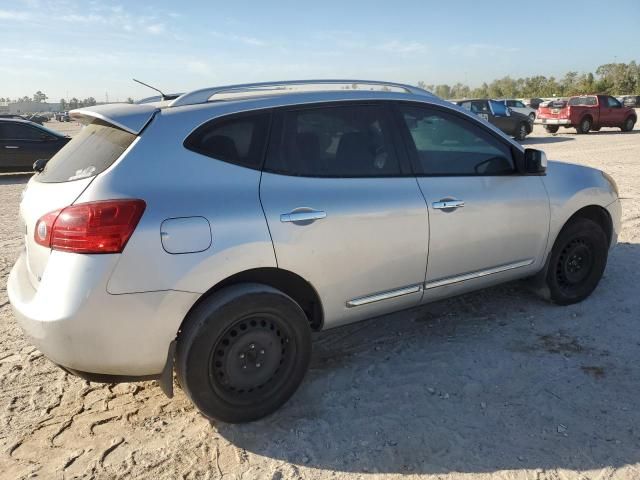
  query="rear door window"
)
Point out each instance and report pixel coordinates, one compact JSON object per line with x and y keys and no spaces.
{"x":239,"y":139}
{"x":91,"y":152}
{"x":335,"y":141}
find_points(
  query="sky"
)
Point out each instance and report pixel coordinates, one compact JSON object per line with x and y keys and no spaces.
{"x":85,"y":48}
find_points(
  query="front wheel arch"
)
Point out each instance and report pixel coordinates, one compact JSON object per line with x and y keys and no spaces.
{"x":595,"y":213}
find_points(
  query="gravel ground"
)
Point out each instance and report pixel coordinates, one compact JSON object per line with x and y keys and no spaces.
{"x":495,"y":384}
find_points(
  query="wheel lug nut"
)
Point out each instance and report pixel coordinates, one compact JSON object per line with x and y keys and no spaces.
{"x":261,"y":352}
{"x":258,"y":365}
{"x":252,"y":346}
{"x":244,"y":366}
{"x":242,"y":355}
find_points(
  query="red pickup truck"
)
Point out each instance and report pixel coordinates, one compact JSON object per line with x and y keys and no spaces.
{"x":589,"y":112}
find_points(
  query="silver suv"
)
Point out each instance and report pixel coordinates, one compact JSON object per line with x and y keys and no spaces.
{"x":212,"y":232}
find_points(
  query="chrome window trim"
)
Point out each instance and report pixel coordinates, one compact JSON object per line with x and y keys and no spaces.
{"x":478,"y":274}
{"x":356,"y":302}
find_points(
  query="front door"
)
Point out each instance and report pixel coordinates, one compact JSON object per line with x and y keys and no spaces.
{"x":487,"y":223}
{"x":344,"y":211}
{"x":614,"y":112}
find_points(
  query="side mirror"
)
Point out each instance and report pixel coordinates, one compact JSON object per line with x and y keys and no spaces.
{"x":535,"y":161}
{"x":39,"y":164}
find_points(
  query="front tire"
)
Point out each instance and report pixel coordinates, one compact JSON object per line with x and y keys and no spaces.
{"x":243,"y":352}
{"x":577,"y":262}
{"x":584,"y":126}
{"x":551,"y":128}
{"x":521,"y":131}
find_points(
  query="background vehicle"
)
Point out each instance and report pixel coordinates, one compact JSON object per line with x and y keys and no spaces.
{"x":533,"y":102}
{"x":632,"y":101}
{"x":62,"y":117}
{"x":518,"y":106}
{"x":10,"y":115}
{"x":23,"y":142}
{"x":220,"y":234}
{"x":585,"y":113}
{"x":37,"y":118}
{"x":497,"y":113}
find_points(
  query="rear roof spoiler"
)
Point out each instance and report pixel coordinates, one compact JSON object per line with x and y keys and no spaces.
{"x":129,"y":117}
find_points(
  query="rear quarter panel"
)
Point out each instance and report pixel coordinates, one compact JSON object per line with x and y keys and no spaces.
{"x":175,"y":182}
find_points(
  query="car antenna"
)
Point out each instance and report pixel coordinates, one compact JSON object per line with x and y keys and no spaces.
{"x":164,"y":97}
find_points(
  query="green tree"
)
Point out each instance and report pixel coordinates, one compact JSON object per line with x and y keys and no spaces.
{"x":39,"y":97}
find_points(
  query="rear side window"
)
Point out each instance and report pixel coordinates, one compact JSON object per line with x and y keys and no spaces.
{"x":239,"y":139}
{"x":91,"y":152}
{"x":447,"y":145}
{"x":335,"y":141}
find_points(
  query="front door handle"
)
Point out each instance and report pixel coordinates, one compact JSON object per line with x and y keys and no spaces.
{"x":11,"y":146}
{"x":448,"y":203}
{"x":303,"y":216}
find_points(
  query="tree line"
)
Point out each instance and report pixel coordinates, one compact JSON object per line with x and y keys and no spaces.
{"x":610,"y":79}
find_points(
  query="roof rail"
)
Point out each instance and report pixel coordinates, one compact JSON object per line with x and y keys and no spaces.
{"x":203,"y":95}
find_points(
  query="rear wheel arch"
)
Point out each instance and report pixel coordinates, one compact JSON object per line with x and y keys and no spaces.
{"x":291,"y":284}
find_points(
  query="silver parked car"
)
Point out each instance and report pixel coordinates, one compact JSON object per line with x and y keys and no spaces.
{"x":211,"y":233}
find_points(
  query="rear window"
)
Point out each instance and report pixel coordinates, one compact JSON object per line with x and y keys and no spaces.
{"x":91,"y":152}
{"x":575,"y":101}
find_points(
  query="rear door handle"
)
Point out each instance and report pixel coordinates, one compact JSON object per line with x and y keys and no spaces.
{"x":11,"y":146}
{"x":446,"y":204}
{"x":302,"y":216}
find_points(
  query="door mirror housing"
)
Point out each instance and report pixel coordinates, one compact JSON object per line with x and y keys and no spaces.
{"x":535,"y":161}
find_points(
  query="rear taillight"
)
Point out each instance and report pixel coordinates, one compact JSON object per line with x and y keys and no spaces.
{"x":94,"y":227}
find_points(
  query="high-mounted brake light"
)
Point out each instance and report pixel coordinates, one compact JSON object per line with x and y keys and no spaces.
{"x":93,"y":227}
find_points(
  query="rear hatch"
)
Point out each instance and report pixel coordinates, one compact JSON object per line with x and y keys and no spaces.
{"x":94,"y":149}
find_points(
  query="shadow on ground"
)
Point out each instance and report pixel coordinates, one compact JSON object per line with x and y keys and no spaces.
{"x":495,"y":380}
{"x":541,"y":140}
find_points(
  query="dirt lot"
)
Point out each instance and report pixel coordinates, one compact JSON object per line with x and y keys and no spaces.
{"x":496,"y":384}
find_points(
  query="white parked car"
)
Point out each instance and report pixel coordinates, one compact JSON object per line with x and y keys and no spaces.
{"x":211,"y":233}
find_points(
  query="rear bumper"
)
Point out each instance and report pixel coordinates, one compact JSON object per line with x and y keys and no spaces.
{"x":553,"y":121}
{"x":73,"y":321}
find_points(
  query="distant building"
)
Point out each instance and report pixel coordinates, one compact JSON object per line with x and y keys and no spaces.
{"x":28,"y":107}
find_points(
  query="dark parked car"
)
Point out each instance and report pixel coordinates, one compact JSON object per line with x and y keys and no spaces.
{"x":23,"y":142}
{"x":533,"y":102}
{"x":11,"y":115}
{"x":497,"y":113}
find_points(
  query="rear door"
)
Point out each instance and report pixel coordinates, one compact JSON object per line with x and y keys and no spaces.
{"x":487,"y":223}
{"x":344,"y":210}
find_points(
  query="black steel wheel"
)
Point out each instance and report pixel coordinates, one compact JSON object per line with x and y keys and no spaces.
{"x":551,"y":128}
{"x":243,"y":352}
{"x":577,"y":261}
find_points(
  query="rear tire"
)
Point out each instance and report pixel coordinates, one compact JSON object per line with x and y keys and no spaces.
{"x":551,"y":128}
{"x":243,"y":352}
{"x":628,"y":124}
{"x":584,"y":126}
{"x":577,"y":262}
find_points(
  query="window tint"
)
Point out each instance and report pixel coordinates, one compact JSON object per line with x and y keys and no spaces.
{"x":89,"y":153}
{"x":448,"y":145}
{"x":517,"y":104}
{"x":337,"y":141}
{"x":18,"y":131}
{"x":238,"y":139}
{"x":613,"y":103}
{"x":511,"y":103}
